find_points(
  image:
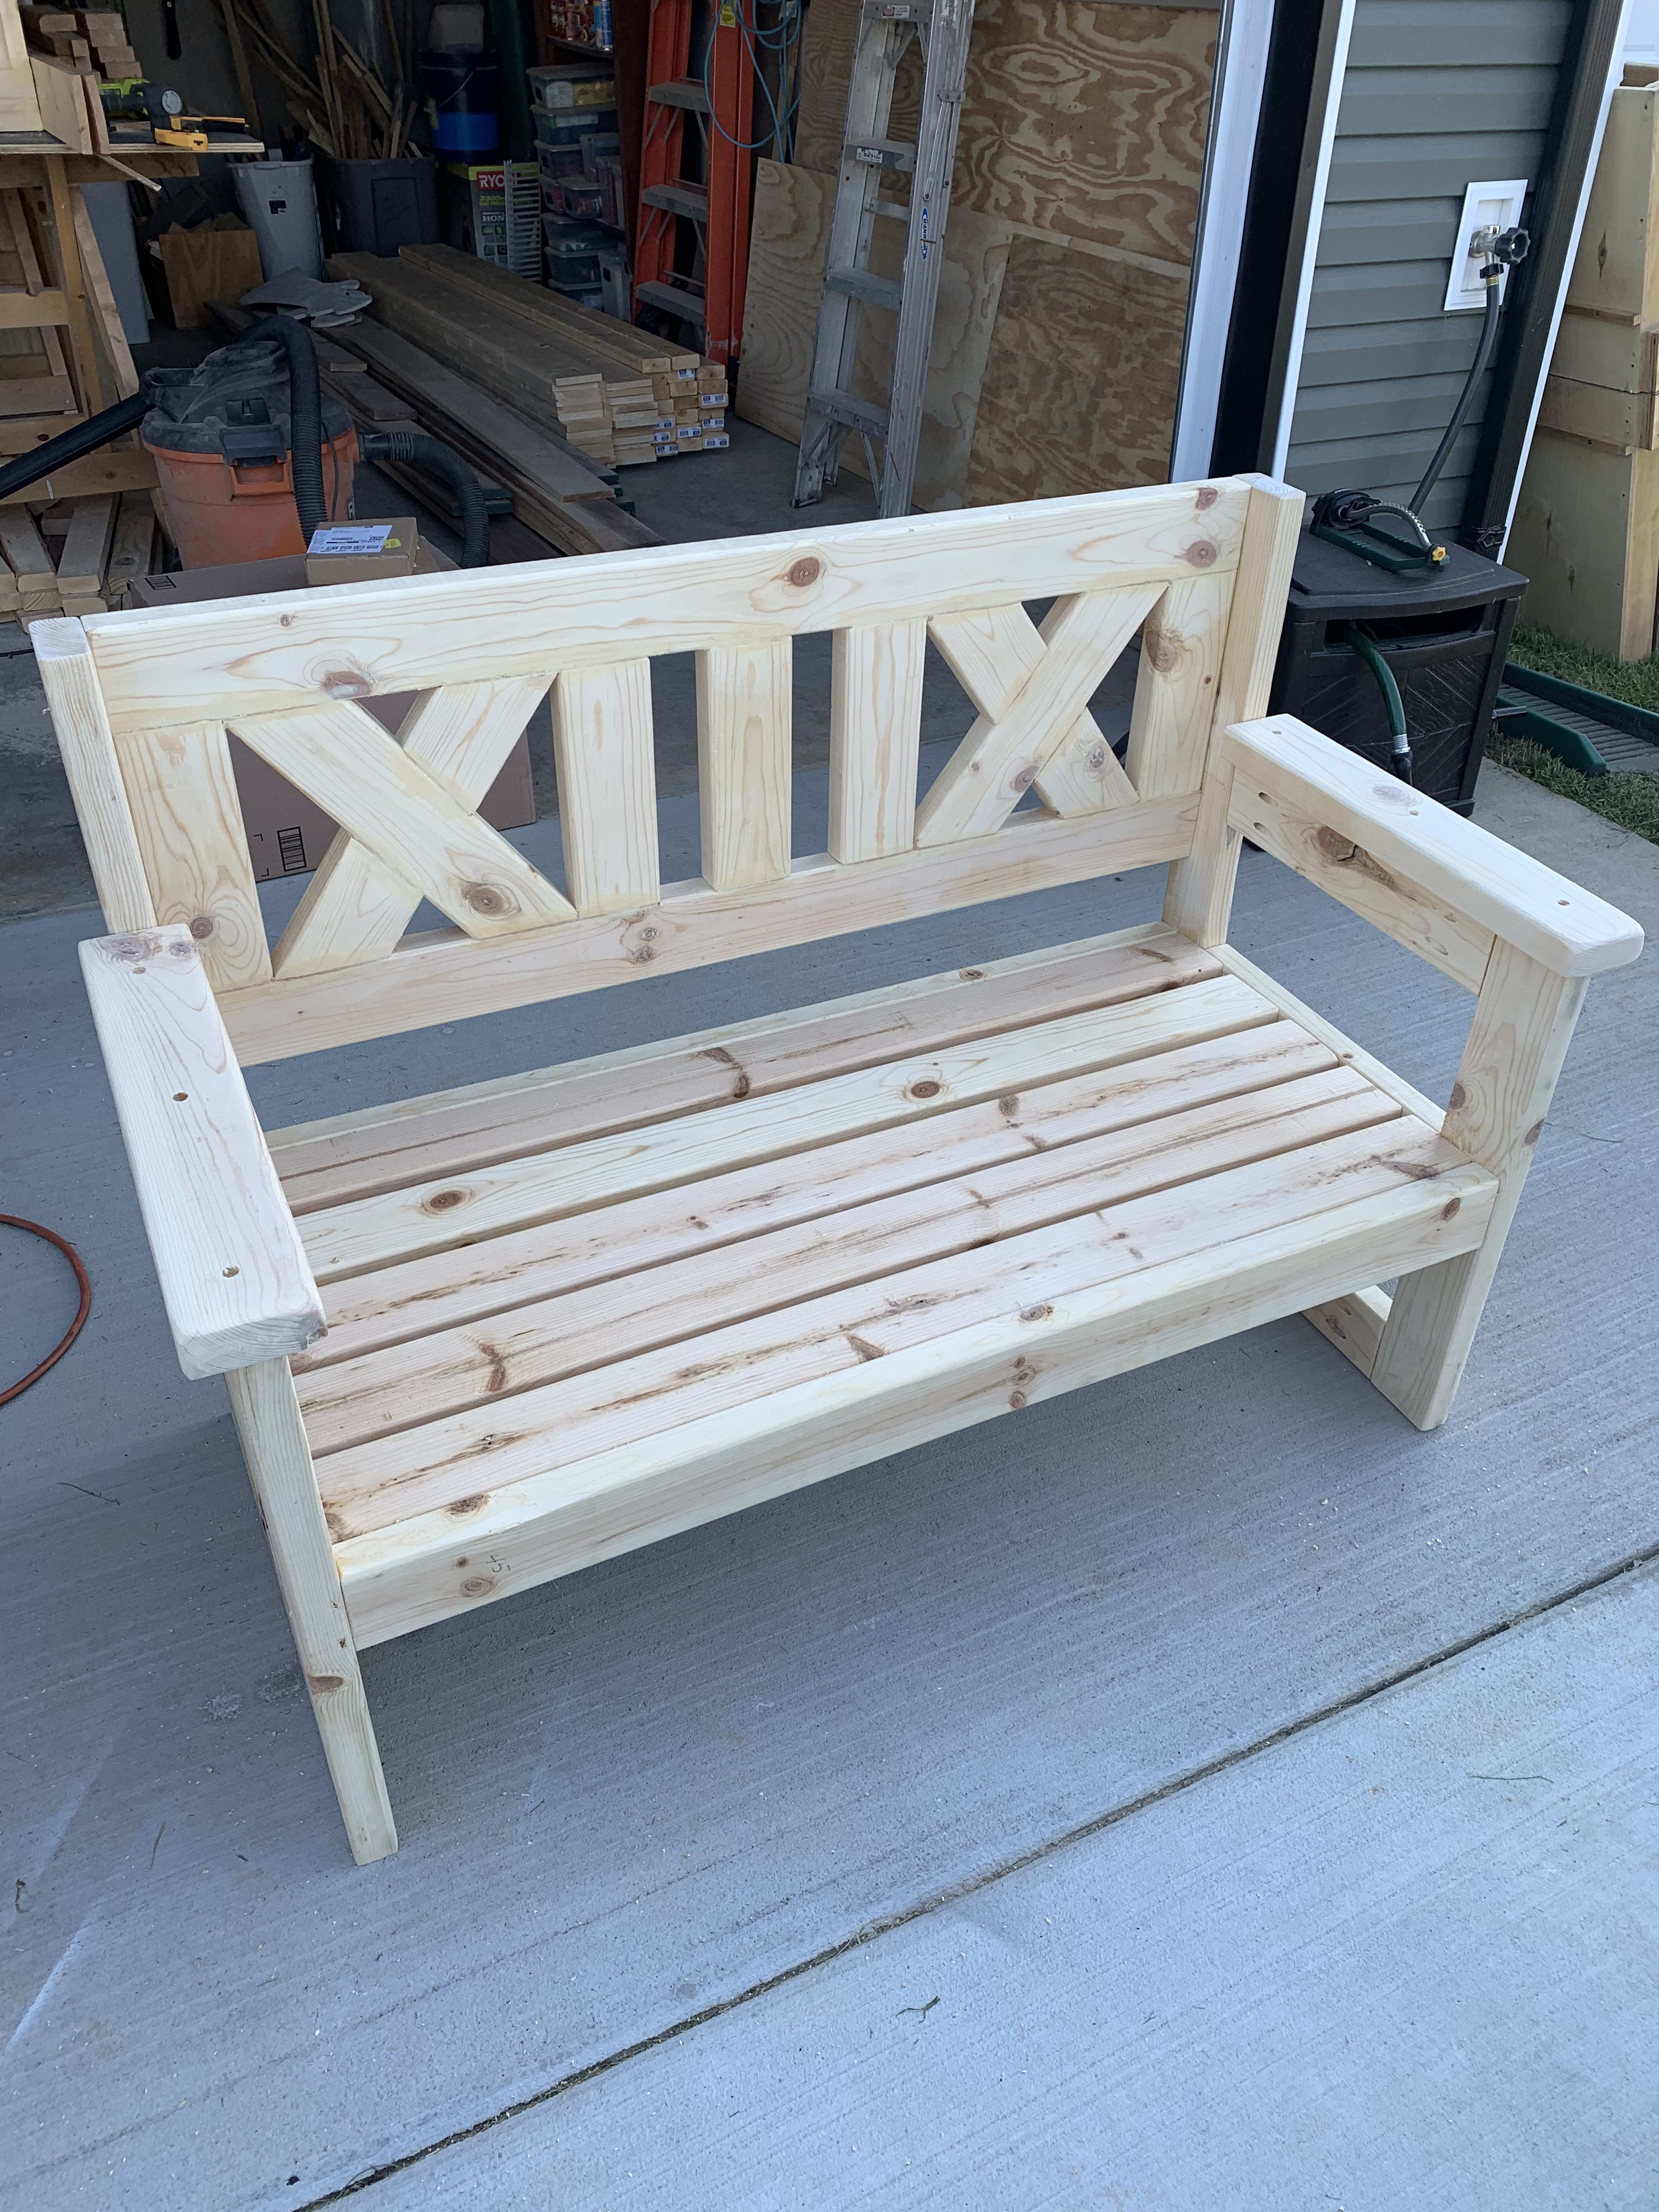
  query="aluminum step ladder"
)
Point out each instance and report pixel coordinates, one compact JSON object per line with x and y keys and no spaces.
{"x":869,"y":158}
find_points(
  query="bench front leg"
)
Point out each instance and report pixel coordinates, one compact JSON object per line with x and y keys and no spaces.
{"x":279,"y":1465}
{"x":1523,"y":1024}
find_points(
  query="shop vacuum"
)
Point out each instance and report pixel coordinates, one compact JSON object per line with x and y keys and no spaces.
{"x":251,"y":459}
{"x":1392,"y":644}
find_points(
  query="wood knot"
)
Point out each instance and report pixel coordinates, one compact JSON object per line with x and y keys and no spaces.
{"x":462,"y":1506}
{"x":1207,"y":496}
{"x":129,"y":948}
{"x":484,"y":898}
{"x":1036,"y":1313}
{"x":441,"y":1200}
{"x":1161,"y":649}
{"x":1016,"y":1400}
{"x":1025,"y":779}
{"x":200,"y":925}
{"x":1534,"y":1134}
{"x":926,"y":1090}
{"x":805,"y":572}
{"x":1095,"y":759}
{"x":1008,"y":1106}
{"x":478,"y":1586}
{"x":347,"y":684}
{"x":1452,"y":1205}
{"x":971,"y":975}
{"x":1200,"y":553}
{"x":323,"y":1683}
{"x":1459,"y":1099}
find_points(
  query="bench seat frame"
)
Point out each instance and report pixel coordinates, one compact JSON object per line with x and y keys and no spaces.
{"x":187,"y":988}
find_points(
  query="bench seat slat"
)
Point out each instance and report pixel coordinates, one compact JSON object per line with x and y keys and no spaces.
{"x":431,"y":1216}
{"x":357,"y":1154}
{"x":455,"y":1463}
{"x":433,"y":1375}
{"x":525,"y":1530}
{"x":442,"y":1289}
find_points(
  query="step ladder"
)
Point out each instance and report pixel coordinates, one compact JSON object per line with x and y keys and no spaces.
{"x":692,"y":241}
{"x":869,"y":158}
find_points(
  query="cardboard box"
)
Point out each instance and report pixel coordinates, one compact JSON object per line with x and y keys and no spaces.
{"x":288,"y":834}
{"x":363,"y":552}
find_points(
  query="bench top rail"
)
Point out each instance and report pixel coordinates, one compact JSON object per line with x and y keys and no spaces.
{"x":145,"y":703}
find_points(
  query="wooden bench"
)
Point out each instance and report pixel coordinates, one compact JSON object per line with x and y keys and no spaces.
{"x":482,"y":1338}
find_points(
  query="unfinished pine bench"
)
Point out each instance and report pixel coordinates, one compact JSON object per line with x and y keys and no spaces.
{"x":476,"y":1340}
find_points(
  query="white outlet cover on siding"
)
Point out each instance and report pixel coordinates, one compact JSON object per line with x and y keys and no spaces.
{"x":1498,"y":205}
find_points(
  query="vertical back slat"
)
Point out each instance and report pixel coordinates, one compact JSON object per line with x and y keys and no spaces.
{"x":607,"y":785}
{"x":875,"y":739}
{"x":182,"y":790}
{"x":1176,"y":688}
{"x":743,"y":764}
{"x":94,"y":773}
{"x":1199,"y":897}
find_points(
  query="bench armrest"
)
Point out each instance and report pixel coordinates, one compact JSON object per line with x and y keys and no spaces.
{"x":234,"y":1278}
{"x":1431,"y":879}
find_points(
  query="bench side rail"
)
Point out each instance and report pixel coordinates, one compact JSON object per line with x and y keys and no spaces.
{"x":145,"y":703}
{"x":1523,"y":939}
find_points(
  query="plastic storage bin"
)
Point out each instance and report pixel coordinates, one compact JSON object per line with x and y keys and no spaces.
{"x":280,"y":202}
{"x":573,"y":254}
{"x":377,"y":207}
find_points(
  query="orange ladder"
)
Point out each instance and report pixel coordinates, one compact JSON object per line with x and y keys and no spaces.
{"x":719,"y":98}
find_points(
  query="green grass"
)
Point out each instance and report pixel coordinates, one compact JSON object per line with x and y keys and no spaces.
{"x":1632,"y":801}
{"x":1635,"y":682}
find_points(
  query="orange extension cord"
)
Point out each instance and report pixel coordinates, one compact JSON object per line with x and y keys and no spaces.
{"x":34,"y":1229}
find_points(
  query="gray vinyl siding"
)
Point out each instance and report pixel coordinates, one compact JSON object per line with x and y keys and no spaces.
{"x":1437,"y":93}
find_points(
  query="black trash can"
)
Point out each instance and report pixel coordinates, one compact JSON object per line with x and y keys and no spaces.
{"x":1443,"y":631}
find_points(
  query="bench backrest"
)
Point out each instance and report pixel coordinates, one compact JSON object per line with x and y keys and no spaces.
{"x":143,"y":702}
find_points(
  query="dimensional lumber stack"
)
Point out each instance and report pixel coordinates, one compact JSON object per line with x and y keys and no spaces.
{"x":76,"y":556}
{"x":548,"y":356}
{"x":1587,"y":523}
{"x":86,"y":38}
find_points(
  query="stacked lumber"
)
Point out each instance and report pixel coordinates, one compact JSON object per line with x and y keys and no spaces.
{"x":385,"y":382}
{"x":528,"y":345}
{"x":1586,"y":528}
{"x":74,"y":556}
{"x":93,"y":41}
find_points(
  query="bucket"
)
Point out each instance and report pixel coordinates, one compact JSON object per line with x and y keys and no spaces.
{"x":280,"y":201}
{"x":220,"y":511}
{"x":460,"y":91}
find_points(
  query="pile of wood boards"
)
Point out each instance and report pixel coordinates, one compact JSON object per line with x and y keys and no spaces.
{"x":75,"y":557}
{"x":1586,"y":527}
{"x":676,"y":405}
{"x":90,"y":40}
{"x":1067,"y":255}
{"x":547,"y":355}
{"x":344,"y":103}
{"x":385,"y":382}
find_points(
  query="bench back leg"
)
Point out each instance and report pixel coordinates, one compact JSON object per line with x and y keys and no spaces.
{"x":268,"y":1421}
{"x":1523,"y":1023}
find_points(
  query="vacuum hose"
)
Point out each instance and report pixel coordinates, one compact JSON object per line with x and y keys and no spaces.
{"x":417,"y":451}
{"x":305,"y":440}
{"x":1350,"y":634}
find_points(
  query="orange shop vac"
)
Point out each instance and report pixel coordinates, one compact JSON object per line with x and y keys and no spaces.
{"x":252,"y":460}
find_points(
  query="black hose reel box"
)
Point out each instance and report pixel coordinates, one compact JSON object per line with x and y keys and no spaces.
{"x":1443,"y":630}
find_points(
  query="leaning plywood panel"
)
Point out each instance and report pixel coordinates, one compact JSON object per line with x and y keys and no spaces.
{"x":1587,"y":532}
{"x":787,"y":244}
{"x":1080,"y":379}
{"x":1085,"y":122}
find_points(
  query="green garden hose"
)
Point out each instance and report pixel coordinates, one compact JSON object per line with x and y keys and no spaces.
{"x":1366,"y":647}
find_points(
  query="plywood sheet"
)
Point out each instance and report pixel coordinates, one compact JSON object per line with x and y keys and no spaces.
{"x":1089,"y":121}
{"x":1080,"y":386}
{"x":793,"y":209}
